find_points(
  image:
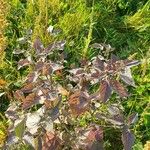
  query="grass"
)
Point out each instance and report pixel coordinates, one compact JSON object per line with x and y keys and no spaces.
{"x":123,"y":24}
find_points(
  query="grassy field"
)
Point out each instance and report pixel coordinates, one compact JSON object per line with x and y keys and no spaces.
{"x":124,"y":24}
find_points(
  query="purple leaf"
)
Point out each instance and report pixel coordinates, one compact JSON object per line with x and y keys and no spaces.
{"x":118,"y":87}
{"x":131,"y":63}
{"x":105,"y":91}
{"x":114,"y":58}
{"x":113,"y":110}
{"x":38,"y":46}
{"x":77,"y":71}
{"x":39,"y":65}
{"x":11,"y":115}
{"x":127,"y":139}
{"x":98,"y":63}
{"x":126,"y":76}
{"x":32,"y":77}
{"x":132,"y":118}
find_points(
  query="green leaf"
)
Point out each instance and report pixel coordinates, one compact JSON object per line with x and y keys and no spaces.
{"x":20,"y":128}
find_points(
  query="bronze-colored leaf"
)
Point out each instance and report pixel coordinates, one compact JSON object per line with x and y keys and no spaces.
{"x":39,"y":65}
{"x":32,"y":77}
{"x":28,"y":88}
{"x":91,"y":138}
{"x":47,"y":69}
{"x":105,"y":91}
{"x":79,"y":103}
{"x":31,"y":100}
{"x":95,"y":134}
{"x":63,"y":91}
{"x":51,"y":141}
{"x":23,"y":62}
{"x":18,"y":95}
{"x":118,"y":87}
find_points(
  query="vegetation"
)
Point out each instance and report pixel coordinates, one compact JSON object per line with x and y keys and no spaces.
{"x":77,"y":35}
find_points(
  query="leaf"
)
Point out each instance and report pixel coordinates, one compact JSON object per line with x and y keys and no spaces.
{"x":1,"y":94}
{"x":114,"y":58}
{"x":113,"y":110}
{"x":79,"y":102}
{"x":18,"y":95}
{"x":28,"y":88}
{"x":132,"y":118}
{"x":51,"y":141}
{"x":118,"y":87}
{"x":38,"y":143}
{"x":60,"y":45}
{"x":127,"y":139}
{"x":95,"y":134}
{"x":116,"y":119}
{"x":63,"y":91}
{"x":97,"y":45}
{"x":95,"y":146}
{"x":47,"y":69}
{"x":105,"y":91}
{"x":132,"y":63}
{"x":11,"y":115}
{"x":77,"y":71}
{"x":127,"y":77}
{"x":29,"y":101}
{"x":20,"y":128}
{"x":56,"y":67}
{"x":32,"y":122}
{"x":54,"y":113}
{"x":38,"y":46}
{"x":99,"y":63}
{"x":11,"y":112}
{"x":24,"y":62}
{"x":91,"y":138}
{"x":39,"y":65}
{"x":32,"y":77}
{"x":18,"y":51}
{"x":29,"y":139}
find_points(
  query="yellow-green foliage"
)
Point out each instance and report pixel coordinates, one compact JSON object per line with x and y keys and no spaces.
{"x":3,"y":129}
{"x":3,"y":24}
{"x":42,"y":13}
{"x":74,"y":19}
{"x":141,"y":19}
